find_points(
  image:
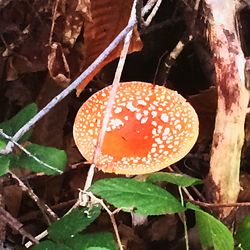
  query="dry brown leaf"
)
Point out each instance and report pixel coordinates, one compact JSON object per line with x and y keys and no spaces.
{"x":70,"y":18}
{"x":163,"y":228}
{"x":13,"y":198}
{"x":109,"y":17}
{"x":49,"y":130}
{"x":58,"y":66}
{"x":205,"y":104}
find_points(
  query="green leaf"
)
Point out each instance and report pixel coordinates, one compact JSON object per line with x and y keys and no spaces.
{"x":4,"y":164}
{"x":243,"y":232}
{"x":2,"y":144}
{"x":55,"y":159}
{"x":131,"y":195}
{"x":213,"y":233}
{"x":49,"y":245}
{"x":72,"y":223}
{"x":11,"y":126}
{"x":182,"y":180}
{"x":92,"y":241}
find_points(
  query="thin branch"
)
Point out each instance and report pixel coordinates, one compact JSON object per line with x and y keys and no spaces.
{"x":76,"y":82}
{"x":43,"y":207}
{"x":28,"y":153}
{"x":53,"y":22}
{"x":69,"y":89}
{"x":213,"y":205}
{"x":153,"y":13}
{"x":111,"y":215}
{"x":115,"y":86}
{"x":6,"y":217}
{"x":111,"y":100}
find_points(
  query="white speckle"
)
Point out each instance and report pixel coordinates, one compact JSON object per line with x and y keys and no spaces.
{"x":154,"y":123}
{"x":166,"y":132}
{"x":177,"y":114}
{"x":189,"y":125}
{"x":176,"y":121}
{"x":141,"y":102}
{"x":154,"y":132}
{"x":154,"y":114}
{"x":118,"y":110}
{"x":165,"y":153}
{"x":94,"y":141}
{"x":164,"y":117}
{"x":126,"y":117}
{"x":91,"y":132}
{"x":178,"y":127}
{"x":153,"y":150}
{"x":152,"y":107}
{"x":170,"y":146}
{"x":131,"y":107}
{"x":114,"y":123}
{"x":103,"y":94}
{"x":138,"y":116}
{"x":159,"y":129}
{"x":144,"y":120}
{"x":145,"y":112}
{"x":176,"y":142}
{"x":158,"y":141}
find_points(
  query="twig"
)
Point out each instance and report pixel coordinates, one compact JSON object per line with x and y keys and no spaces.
{"x":28,"y":153}
{"x":111,"y":100}
{"x":38,"y":237}
{"x":111,"y":215}
{"x":43,"y":207}
{"x":115,"y":86}
{"x":213,"y":205}
{"x":76,"y":82}
{"x":15,"y":224}
{"x":153,"y":13}
{"x":69,"y":89}
{"x":184,"y":220}
{"x":150,"y":4}
{"x":53,"y":22}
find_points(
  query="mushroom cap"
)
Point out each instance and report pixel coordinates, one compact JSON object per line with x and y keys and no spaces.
{"x":150,"y":128}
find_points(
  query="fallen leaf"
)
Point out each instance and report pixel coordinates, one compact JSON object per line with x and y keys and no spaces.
{"x":109,"y":17}
{"x":58,"y":66}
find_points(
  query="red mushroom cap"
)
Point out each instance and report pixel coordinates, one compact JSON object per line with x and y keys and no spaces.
{"x":150,"y":128}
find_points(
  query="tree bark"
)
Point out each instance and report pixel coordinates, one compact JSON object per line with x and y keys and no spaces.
{"x":223,"y":180}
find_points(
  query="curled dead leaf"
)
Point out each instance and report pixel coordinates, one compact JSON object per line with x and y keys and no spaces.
{"x":109,"y":17}
{"x":58,"y":66}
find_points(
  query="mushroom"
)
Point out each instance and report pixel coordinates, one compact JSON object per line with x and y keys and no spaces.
{"x":150,"y":128}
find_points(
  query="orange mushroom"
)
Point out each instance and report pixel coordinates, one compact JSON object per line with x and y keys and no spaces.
{"x":150,"y":128}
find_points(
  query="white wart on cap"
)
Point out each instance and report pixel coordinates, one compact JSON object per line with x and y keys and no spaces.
{"x":150,"y":128}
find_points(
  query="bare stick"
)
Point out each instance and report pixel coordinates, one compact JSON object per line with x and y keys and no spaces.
{"x":7,"y":218}
{"x":70,"y":88}
{"x":112,"y":217}
{"x":43,"y":207}
{"x":28,"y":153}
{"x":53,"y":22}
{"x":111,"y":100}
{"x":76,"y":82}
{"x":115,"y":86}
{"x":153,"y":13}
{"x":38,"y":237}
{"x":220,"y":205}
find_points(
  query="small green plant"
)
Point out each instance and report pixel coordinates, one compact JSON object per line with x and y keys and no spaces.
{"x":41,"y":159}
{"x":143,"y":198}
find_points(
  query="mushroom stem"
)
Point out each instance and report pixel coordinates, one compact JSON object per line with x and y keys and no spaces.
{"x":223,"y":180}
